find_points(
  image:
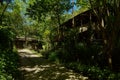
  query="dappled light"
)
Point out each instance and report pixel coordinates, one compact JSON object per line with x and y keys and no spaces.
{"x":35,"y":67}
{"x":59,"y":39}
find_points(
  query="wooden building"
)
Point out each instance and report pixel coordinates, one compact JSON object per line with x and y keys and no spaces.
{"x":81,"y":19}
{"x":22,"y":42}
{"x":85,"y":23}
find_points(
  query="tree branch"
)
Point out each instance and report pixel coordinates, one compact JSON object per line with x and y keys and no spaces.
{"x":3,"y":13}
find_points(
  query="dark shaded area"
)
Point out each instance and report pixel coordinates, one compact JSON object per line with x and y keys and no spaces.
{"x":6,"y":39}
{"x":116,"y":59}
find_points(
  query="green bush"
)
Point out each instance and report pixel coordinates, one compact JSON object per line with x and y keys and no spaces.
{"x":8,"y":65}
{"x":53,"y":56}
{"x":79,"y":52}
{"x":93,"y":72}
{"x":4,"y":76}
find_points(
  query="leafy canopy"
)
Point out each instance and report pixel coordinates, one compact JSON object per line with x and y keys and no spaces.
{"x":47,"y":7}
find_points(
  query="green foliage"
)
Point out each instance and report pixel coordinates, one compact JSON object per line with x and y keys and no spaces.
{"x":8,"y":57}
{"x":47,"y":7}
{"x":4,"y":76}
{"x":93,"y":72}
{"x":83,"y":3}
{"x":8,"y":65}
{"x":53,"y":56}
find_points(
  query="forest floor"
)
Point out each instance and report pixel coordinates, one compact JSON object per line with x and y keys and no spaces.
{"x":35,"y":67}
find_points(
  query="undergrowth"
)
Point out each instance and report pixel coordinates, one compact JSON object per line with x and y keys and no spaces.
{"x":8,"y":65}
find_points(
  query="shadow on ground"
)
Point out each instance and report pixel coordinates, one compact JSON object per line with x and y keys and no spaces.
{"x":34,"y":67}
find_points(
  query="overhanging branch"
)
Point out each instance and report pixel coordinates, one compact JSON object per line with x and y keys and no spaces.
{"x":1,"y":16}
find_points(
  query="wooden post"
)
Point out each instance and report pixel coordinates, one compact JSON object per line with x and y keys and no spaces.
{"x":73,"y":22}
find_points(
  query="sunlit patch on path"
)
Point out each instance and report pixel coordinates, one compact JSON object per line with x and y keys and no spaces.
{"x":35,"y":67}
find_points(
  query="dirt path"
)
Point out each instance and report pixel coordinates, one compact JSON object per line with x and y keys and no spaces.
{"x":35,"y":67}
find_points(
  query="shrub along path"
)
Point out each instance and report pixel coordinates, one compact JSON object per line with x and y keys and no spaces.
{"x":35,"y":67}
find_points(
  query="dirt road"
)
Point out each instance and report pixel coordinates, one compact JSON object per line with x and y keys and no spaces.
{"x":35,"y":67}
